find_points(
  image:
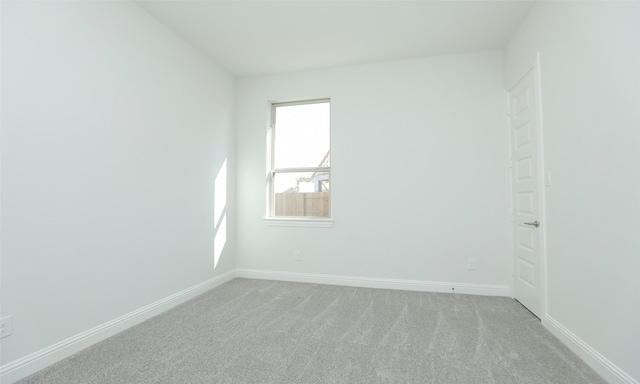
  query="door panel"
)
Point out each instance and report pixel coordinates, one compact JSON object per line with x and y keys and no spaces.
{"x":526,"y":194}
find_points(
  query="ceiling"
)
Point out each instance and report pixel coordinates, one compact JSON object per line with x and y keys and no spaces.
{"x":250,"y":38}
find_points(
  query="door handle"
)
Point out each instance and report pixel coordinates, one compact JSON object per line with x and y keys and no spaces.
{"x":535,"y":223}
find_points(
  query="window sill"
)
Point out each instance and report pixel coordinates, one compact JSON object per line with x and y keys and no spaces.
{"x":298,"y":222}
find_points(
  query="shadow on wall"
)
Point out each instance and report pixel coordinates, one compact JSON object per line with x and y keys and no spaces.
{"x":220,"y":213}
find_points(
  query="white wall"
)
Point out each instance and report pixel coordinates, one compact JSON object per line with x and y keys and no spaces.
{"x":113,"y":132}
{"x":418,"y":172}
{"x":590,"y":75}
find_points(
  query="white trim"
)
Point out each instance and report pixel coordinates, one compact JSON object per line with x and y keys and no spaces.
{"x":509,"y":190}
{"x":298,"y":222}
{"x":321,"y":100}
{"x":605,"y":368}
{"x":372,"y":282}
{"x":542,"y":199}
{"x":535,"y":70}
{"x":36,"y":361}
{"x":272,"y":171}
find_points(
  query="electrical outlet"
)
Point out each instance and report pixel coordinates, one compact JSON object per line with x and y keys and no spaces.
{"x":297,"y":256}
{"x":6,"y":327}
{"x":471,"y":264}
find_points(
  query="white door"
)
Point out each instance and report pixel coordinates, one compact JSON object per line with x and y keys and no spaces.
{"x":526,"y":194}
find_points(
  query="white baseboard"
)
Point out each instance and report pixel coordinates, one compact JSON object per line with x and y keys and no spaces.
{"x":34,"y":362}
{"x":605,"y":368}
{"x":370,"y":282}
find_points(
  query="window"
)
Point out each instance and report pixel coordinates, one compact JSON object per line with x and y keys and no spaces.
{"x":300,"y":156}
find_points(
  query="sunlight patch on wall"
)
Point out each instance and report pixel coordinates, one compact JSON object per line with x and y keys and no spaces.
{"x":220,"y":193}
{"x":219,"y":214}
{"x":220,"y":240}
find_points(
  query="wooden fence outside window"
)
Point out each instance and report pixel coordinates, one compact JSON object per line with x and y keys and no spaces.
{"x":315,"y":204}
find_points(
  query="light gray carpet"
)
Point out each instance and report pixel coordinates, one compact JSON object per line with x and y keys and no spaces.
{"x":256,"y":331}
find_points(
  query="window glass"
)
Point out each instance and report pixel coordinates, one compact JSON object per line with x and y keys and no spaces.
{"x":301,"y":135}
{"x":301,"y":163}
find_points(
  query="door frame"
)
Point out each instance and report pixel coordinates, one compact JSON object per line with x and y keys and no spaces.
{"x":535,"y":69}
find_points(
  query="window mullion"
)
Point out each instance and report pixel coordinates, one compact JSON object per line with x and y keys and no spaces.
{"x":300,"y":170}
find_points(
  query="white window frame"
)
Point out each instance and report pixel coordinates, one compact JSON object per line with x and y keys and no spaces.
{"x":292,"y":221}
